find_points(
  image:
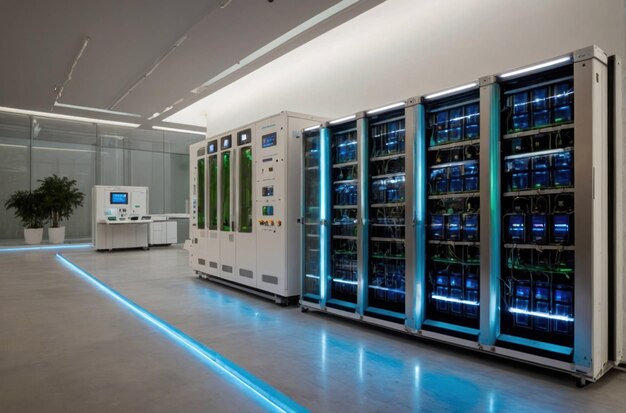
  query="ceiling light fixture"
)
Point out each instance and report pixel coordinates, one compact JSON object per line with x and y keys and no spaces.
{"x":313,"y":21}
{"x":453,"y":90}
{"x":384,"y":108}
{"x":312,"y":128}
{"x":178,"y":130}
{"x":59,"y":89}
{"x":333,"y":122}
{"x":67,"y":117}
{"x":90,"y":109}
{"x":536,"y":67}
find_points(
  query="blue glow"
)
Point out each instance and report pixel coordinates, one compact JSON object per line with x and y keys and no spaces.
{"x":275,"y":399}
{"x":316,"y":277}
{"x":377,"y":287}
{"x":454,"y":300}
{"x":324,"y":210}
{"x":45,"y":247}
{"x":542,"y":315}
{"x":342,"y":281}
{"x":420,"y":214}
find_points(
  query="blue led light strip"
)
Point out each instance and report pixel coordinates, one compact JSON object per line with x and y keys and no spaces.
{"x":453,"y":300}
{"x":542,"y":315}
{"x":275,"y":399}
{"x":45,"y":247}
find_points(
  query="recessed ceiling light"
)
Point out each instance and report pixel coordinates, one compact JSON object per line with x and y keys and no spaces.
{"x":67,"y":117}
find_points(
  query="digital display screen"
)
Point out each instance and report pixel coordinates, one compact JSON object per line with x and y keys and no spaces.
{"x":119,"y":198}
{"x":226,"y":142}
{"x":268,"y":140}
{"x":244,"y":137}
{"x":212,"y":147}
{"x":267,"y":190}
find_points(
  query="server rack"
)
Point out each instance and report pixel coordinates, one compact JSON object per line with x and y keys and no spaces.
{"x":502,"y":176}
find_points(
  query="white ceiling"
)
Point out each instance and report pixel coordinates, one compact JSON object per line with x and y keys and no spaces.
{"x":405,"y":48}
{"x":39,"y":40}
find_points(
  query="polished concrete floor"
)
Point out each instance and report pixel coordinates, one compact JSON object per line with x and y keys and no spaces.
{"x":65,"y":346}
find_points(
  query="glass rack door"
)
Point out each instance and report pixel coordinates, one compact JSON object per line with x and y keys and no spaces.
{"x":453,"y":215}
{"x":312,"y":216}
{"x":213,"y":192}
{"x":538,"y":249}
{"x":201,"y":193}
{"x":387,"y":255}
{"x":225,"y":192}
{"x":344,"y":200}
{"x":245,"y":189}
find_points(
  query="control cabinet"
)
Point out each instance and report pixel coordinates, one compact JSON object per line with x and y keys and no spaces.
{"x":487,"y":216}
{"x":244,"y":230}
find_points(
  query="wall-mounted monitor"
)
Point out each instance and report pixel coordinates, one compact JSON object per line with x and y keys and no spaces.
{"x":119,"y":198}
{"x":212,"y":147}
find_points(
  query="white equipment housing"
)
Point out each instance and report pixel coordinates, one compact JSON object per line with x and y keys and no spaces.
{"x":120,"y":217}
{"x":243,"y":230}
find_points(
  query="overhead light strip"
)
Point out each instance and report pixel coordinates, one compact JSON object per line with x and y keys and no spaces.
{"x":453,"y":90}
{"x":331,"y":11}
{"x":541,"y":315}
{"x":536,"y":67}
{"x":344,"y":119}
{"x":195,"y":132}
{"x":90,"y":109}
{"x":264,"y":392}
{"x":312,"y":128}
{"x":384,"y":108}
{"x":67,"y":117}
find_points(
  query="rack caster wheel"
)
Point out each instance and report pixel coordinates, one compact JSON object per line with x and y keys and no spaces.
{"x":581,"y":383}
{"x":304,"y":309}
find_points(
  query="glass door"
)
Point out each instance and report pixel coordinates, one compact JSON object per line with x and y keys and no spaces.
{"x":201,"y":192}
{"x":453,"y":213}
{"x":312,"y":216}
{"x":387,"y":260}
{"x":344,"y":225}
{"x":212,"y":192}
{"x":226,"y":224}
{"x":245,"y":189}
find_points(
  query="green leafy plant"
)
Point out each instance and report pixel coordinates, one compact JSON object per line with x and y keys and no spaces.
{"x":60,"y":198}
{"x":29,"y":208}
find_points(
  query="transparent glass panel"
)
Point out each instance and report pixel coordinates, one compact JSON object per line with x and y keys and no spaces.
{"x":245,"y":189}
{"x":14,"y":169}
{"x":225,"y":191}
{"x":67,"y":149}
{"x":213,"y":192}
{"x":147,"y":169}
{"x":201,"y":193}
{"x":311,"y":282}
{"x":176,"y":184}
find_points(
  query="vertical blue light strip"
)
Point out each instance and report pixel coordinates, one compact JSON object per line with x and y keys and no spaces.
{"x":273,"y":399}
{"x":324,"y":212}
{"x":495,"y":207}
{"x":363,"y":211}
{"x":420,"y":215}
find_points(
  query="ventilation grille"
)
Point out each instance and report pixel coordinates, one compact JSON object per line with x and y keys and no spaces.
{"x":201,"y":261}
{"x":212,"y":264}
{"x":227,"y":268}
{"x":270,"y":279}
{"x":245,"y":273}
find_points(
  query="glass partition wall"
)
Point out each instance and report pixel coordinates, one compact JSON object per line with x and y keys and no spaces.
{"x":32,"y":148}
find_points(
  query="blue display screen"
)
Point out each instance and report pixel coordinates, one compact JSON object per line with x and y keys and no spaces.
{"x":119,"y":198}
{"x":516,"y":229}
{"x":560,"y":228}
{"x":268,"y":140}
{"x":539,"y":228}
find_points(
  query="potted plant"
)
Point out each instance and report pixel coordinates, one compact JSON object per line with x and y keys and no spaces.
{"x":30,"y":210}
{"x":60,"y":197}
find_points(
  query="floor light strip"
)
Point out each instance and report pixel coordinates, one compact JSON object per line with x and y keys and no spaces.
{"x":265,"y":392}
{"x":44,"y":247}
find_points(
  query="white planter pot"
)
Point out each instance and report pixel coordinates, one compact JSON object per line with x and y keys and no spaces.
{"x":33,"y":236}
{"x":56,"y":235}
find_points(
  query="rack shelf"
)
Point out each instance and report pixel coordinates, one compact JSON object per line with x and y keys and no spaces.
{"x":345,"y":206}
{"x":347,"y":237}
{"x":346,"y":181}
{"x":341,"y":165}
{"x":454,"y":144}
{"x":389,"y":205}
{"x":541,"y":247}
{"x":383,"y":239}
{"x":387,"y":157}
{"x":538,"y":131}
{"x":455,"y":195}
{"x":548,"y":191}
{"x":464,"y":243}
{"x":388,"y":175}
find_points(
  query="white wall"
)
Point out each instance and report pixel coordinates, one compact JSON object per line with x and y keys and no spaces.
{"x":404,"y":48}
